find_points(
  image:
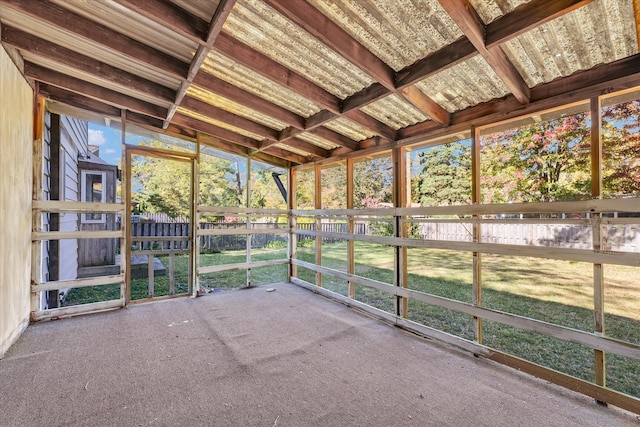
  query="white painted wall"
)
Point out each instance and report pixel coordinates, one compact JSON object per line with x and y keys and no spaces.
{"x":16,"y":140}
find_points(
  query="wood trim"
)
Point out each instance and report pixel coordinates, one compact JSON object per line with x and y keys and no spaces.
{"x":476,"y":199}
{"x":588,"y":339}
{"x":240,"y":266}
{"x":59,"y":235}
{"x":242,"y":211}
{"x":96,"y":307}
{"x":241,"y":231}
{"x":562,"y":254}
{"x":78,"y":283}
{"x":61,"y":206}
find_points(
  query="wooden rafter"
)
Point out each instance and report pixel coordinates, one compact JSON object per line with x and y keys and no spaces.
{"x":215,"y":26}
{"x":466,"y":17}
{"x":331,"y":34}
{"x":91,"y":90}
{"x":104,"y":36}
{"x":61,"y":55}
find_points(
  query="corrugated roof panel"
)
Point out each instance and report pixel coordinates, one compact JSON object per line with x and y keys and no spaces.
{"x":83,"y":46}
{"x":464,"y":85}
{"x":234,"y":108}
{"x":490,"y":10}
{"x":316,"y":140}
{"x":137,"y":27}
{"x":291,"y":149}
{"x":349,"y":129}
{"x":265,"y":30}
{"x":203,"y":9}
{"x":215,"y":122}
{"x":598,"y":33}
{"x":244,"y":78}
{"x":399,"y":32}
{"x":395,"y":112}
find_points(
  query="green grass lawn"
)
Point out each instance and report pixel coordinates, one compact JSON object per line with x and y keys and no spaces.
{"x":558,"y":292}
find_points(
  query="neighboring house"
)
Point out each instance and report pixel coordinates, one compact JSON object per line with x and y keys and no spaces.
{"x":74,"y":172}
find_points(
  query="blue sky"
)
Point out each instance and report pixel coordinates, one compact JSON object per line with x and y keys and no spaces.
{"x":109,"y":141}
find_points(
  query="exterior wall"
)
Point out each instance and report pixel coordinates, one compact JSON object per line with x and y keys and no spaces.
{"x":16,"y":140}
{"x":71,"y":193}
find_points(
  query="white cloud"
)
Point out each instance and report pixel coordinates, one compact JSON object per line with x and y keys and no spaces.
{"x":109,"y":151}
{"x":96,"y":137}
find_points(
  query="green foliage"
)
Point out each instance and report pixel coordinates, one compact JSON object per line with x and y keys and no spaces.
{"x":445,"y":177}
{"x":538,"y":162}
{"x":372,"y":182}
{"x":621,"y":149}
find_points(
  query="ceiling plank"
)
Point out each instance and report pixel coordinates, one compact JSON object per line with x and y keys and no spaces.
{"x":118,"y":99}
{"x":170,"y":16}
{"x":50,"y":51}
{"x":526,"y":17}
{"x":217,"y":21}
{"x":57,"y":16}
{"x":466,"y":17}
{"x":200,"y":107}
{"x":254,"y":102}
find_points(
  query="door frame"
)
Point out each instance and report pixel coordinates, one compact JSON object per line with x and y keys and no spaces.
{"x":165,"y":154}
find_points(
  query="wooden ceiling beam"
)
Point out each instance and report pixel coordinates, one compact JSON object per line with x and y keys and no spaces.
{"x":76,"y":100}
{"x":217,"y":21}
{"x":272,"y":70}
{"x":526,"y":17}
{"x":60,"y":17}
{"x":466,"y":17}
{"x":313,"y":21}
{"x":91,"y":90}
{"x":307,"y":147}
{"x":423,"y":103}
{"x":247,"y":99}
{"x":328,"y":32}
{"x":170,"y":16}
{"x":231,"y":119}
{"x":217,"y":131}
{"x":580,"y":86}
{"x":288,"y":155}
{"x":50,"y":51}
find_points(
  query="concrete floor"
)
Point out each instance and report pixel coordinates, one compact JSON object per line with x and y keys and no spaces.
{"x":257,"y":358}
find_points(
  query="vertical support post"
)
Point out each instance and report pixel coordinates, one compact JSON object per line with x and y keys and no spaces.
{"x":351,"y":262}
{"x":318,"y":205}
{"x":194,"y":278}
{"x":293,"y":238}
{"x":598,"y":270}
{"x":477,"y":256}
{"x":248,"y":221}
{"x":55,"y":185}
{"x":400,"y":201}
{"x":125,"y":246}
{"x":36,"y":195}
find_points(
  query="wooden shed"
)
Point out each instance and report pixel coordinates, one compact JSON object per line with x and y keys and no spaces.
{"x":467,"y":170}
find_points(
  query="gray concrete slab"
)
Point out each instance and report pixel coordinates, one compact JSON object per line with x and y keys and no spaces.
{"x":257,"y":358}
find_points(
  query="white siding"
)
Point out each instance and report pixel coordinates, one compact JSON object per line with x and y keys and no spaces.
{"x":71,"y":192}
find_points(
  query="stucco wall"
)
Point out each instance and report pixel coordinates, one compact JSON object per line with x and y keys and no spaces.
{"x":16,"y":141}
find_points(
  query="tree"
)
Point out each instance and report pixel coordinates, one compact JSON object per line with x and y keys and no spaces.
{"x":164,"y":185}
{"x":621,"y":149}
{"x":445,"y":176}
{"x":538,"y":162}
{"x":372,"y":182}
